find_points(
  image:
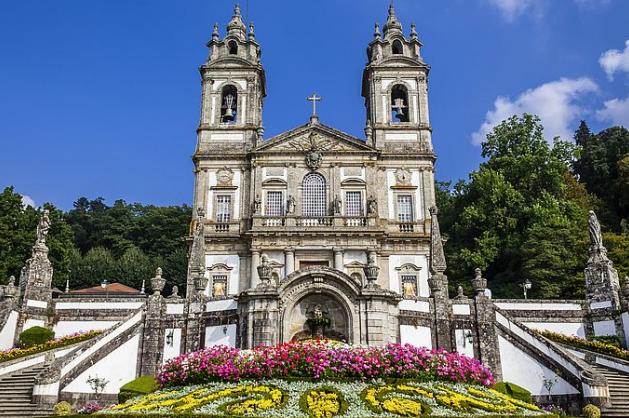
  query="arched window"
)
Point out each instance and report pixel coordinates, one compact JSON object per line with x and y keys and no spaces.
{"x":229,"y":104}
{"x":397,"y":48}
{"x":314,"y":200}
{"x":233,"y":47}
{"x":399,"y":104}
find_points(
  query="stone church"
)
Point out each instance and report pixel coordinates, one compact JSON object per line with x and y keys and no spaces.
{"x":315,"y":218}
{"x":312,"y":233}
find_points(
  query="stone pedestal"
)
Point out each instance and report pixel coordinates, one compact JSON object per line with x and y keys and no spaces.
{"x":259,"y":316}
{"x":153,"y":343}
{"x":378,"y":316}
{"x":487,"y":337}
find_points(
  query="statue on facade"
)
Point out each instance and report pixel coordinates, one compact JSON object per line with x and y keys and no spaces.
{"x":291,"y":203}
{"x":338,"y":205}
{"x":174,"y":294}
{"x":372,"y":205}
{"x":318,"y":322}
{"x":257,"y":204}
{"x":43,"y":227}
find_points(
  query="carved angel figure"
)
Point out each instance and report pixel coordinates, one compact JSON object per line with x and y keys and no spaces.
{"x":595,"y":230}
{"x":43,"y":227}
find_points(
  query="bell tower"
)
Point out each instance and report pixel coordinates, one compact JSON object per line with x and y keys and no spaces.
{"x":233,"y":89}
{"x":394,"y":86}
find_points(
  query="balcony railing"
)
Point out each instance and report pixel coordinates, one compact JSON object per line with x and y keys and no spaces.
{"x":314,"y":221}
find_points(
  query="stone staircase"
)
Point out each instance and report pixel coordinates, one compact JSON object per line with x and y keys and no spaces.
{"x":619,"y":390}
{"x":16,"y":392}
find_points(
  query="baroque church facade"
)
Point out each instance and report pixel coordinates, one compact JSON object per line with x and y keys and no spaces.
{"x":313,"y":233}
{"x":315,"y":219}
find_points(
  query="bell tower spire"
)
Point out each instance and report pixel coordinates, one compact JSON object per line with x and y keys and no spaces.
{"x":395,"y":88}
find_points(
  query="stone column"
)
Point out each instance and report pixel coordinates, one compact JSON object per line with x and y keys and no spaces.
{"x":338,"y":259}
{"x":153,"y":338}
{"x":289,"y":256}
{"x":487,"y":338}
{"x":255,"y":262}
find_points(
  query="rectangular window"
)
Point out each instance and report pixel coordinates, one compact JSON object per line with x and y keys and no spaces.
{"x":404,"y":208}
{"x":353,"y":204}
{"x":223,"y":208}
{"x":274,"y":204}
{"x":219,"y":285}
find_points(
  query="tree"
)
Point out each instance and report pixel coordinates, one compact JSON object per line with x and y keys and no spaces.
{"x":522,"y":194}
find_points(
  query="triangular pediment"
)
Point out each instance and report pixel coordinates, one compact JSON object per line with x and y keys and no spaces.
{"x":314,"y":136}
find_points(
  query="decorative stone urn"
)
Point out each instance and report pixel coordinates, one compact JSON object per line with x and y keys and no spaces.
{"x":479,"y":283}
{"x":158,"y":282}
{"x":371,"y":271}
{"x":200,"y":282}
{"x":264,"y":272}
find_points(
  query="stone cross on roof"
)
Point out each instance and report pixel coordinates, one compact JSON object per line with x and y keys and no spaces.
{"x":314,"y":99}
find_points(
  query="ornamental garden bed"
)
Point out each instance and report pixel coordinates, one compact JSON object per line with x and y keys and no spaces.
{"x":326,"y":399}
{"x":598,"y":346}
{"x":16,"y":353}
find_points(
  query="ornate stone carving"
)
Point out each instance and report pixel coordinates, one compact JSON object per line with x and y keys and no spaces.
{"x":372,"y":205}
{"x":371,"y":271}
{"x":174,"y":293}
{"x":256,"y":204}
{"x":291,"y":203}
{"x":224,"y":176}
{"x":598,"y":252}
{"x":43,"y":227}
{"x":403,"y":176}
{"x":264,"y":272}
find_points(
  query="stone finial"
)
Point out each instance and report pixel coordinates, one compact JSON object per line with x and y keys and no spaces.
{"x":215,"y":35}
{"x":252,"y":34}
{"x":158,"y":282}
{"x":376,"y":31}
{"x":459,"y":293}
{"x":236,"y":27}
{"x":413,"y":31}
{"x":392,"y":25}
{"x":67,"y":290}
{"x":143,"y":289}
{"x":265,"y":271}
{"x":479,"y":283}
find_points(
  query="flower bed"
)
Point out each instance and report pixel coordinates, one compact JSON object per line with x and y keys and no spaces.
{"x":596,"y":346}
{"x":16,"y":353}
{"x":318,"y":360}
{"x":277,"y":398}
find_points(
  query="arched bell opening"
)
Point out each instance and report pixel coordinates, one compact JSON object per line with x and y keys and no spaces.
{"x":399,"y":104}
{"x":229,"y":104}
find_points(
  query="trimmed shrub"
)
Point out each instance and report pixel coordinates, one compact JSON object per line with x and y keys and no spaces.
{"x":591,"y":411}
{"x":515,"y":391}
{"x":63,"y":409}
{"x":35,"y":336}
{"x":140,"y":386}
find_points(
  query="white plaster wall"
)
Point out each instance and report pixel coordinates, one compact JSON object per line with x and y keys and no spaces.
{"x":63,"y":328}
{"x":7,"y":333}
{"x":30,"y":323}
{"x":212,"y":181}
{"x":417,"y":336}
{"x":524,"y":370}
{"x":538,"y":306}
{"x":415,"y":181}
{"x":220,"y":305}
{"x":119,"y":367}
{"x":398,"y":260}
{"x":13,"y":367}
{"x":174,"y":308}
{"x":220,"y":335}
{"x":414,"y":305}
{"x":461,"y":309}
{"x":604,"y":328}
{"x":172,"y":351}
{"x":565,"y":328}
{"x":464,"y":342}
{"x":417,"y":206}
{"x":390,"y":183}
{"x":353,"y":256}
{"x":231,"y":260}
{"x":98,"y":305}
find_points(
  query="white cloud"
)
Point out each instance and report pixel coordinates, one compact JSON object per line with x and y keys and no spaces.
{"x":615,"y":110}
{"x":555,"y":103}
{"x":512,"y":9}
{"x":614,"y":60}
{"x":28,"y":201}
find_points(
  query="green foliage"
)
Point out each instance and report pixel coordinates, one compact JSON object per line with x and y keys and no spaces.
{"x":515,"y":391}
{"x":16,"y":353}
{"x":521,"y":215}
{"x":591,"y":411}
{"x":613,"y":340}
{"x":63,"y":408}
{"x":35,"y":336}
{"x":140,"y":386}
{"x":597,"y":346}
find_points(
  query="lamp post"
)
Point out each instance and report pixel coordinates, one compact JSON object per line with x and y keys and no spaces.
{"x":526,"y":286}
{"x":104,"y":284}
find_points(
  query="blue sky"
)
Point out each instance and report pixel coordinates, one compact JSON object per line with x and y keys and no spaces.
{"x":101,"y":97}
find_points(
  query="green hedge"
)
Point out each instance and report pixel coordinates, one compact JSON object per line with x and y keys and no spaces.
{"x":595,"y":346}
{"x":140,"y":386}
{"x":35,"y":336}
{"x":16,"y":353}
{"x":515,"y":391}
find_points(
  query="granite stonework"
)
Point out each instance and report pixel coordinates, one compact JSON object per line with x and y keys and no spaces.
{"x":314,"y":233}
